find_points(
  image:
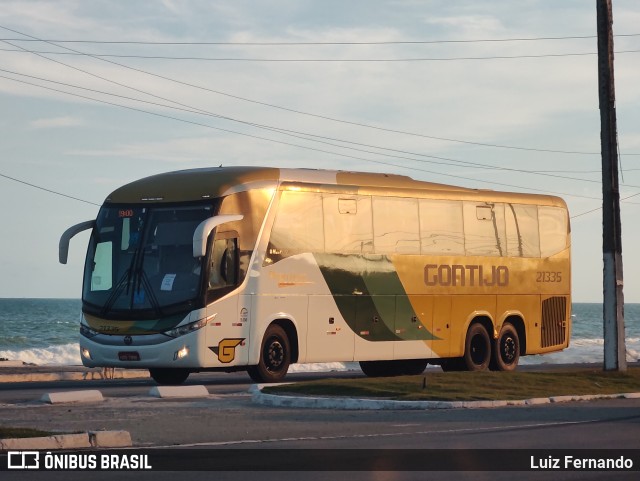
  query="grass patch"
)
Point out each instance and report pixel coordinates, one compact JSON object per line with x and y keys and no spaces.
{"x":10,"y":433}
{"x":471,"y":386}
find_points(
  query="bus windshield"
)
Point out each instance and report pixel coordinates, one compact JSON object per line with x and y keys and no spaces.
{"x":141,"y":258}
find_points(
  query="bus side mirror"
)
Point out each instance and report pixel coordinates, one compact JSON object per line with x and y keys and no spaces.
{"x":63,"y":246}
{"x":203,"y":230}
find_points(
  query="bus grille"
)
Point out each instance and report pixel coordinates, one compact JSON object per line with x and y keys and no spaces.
{"x":554,"y":322}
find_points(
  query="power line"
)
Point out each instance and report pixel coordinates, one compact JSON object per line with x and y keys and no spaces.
{"x":275,"y":130}
{"x":295,"y":134}
{"x":600,"y":208}
{"x":291,"y":133}
{"x":286,"y":143}
{"x":99,"y":76}
{"x":301,"y":43}
{"x":475,"y":180}
{"x":306,"y":136}
{"x":47,"y":190}
{"x":299,"y":112}
{"x":283,"y":131}
{"x":319,"y":60}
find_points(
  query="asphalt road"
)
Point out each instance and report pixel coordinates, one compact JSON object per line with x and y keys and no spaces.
{"x":229,"y":420}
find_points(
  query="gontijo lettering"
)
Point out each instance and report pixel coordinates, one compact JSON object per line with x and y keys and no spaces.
{"x":465,"y":275}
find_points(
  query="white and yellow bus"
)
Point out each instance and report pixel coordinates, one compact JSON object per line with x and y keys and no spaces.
{"x":257,"y":268}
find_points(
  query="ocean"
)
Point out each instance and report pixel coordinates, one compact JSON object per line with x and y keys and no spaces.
{"x":45,"y":331}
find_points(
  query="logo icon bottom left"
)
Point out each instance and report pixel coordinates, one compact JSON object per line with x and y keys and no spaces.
{"x":23,"y":460}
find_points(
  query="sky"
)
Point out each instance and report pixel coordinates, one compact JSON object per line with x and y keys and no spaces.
{"x":97,"y":94}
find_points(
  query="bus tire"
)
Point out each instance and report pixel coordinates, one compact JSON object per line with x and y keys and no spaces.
{"x":404,"y":367}
{"x":413,"y":367}
{"x":275,"y":356}
{"x":506,"y":349}
{"x":452,"y":364}
{"x":477,"y":348}
{"x":379,"y":368}
{"x":169,"y":376}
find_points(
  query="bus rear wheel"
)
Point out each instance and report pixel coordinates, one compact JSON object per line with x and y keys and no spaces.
{"x":477,"y":350}
{"x":452,"y":364}
{"x":403,"y":367}
{"x":169,"y":376}
{"x":506,"y":350}
{"x":275,"y":356}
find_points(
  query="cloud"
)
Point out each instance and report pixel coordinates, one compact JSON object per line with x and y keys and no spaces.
{"x":56,"y":122}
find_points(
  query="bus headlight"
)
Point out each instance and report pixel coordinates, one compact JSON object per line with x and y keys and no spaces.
{"x":87,"y":332}
{"x":186,"y":329}
{"x":86,"y":354}
{"x":184,"y":352}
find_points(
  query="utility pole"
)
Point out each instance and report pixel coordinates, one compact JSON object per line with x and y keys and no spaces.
{"x":613,"y":310}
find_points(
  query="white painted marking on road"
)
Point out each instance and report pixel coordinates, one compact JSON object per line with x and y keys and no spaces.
{"x":378,"y":435}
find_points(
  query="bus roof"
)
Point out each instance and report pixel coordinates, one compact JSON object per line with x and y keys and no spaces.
{"x":204,"y":183}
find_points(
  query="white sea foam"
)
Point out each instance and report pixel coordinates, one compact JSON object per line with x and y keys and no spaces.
{"x":324,"y":367}
{"x":68,"y":354}
{"x":580,"y":351}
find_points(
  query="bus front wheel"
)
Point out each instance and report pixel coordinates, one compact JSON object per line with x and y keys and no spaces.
{"x":477,"y":350}
{"x":169,"y":376}
{"x":275,"y":356}
{"x":506,"y":350}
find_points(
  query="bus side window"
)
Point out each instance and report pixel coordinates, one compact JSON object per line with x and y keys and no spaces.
{"x":348,"y":227}
{"x":298,"y":227}
{"x":223,"y":268}
{"x":441,"y":227}
{"x":522,"y":230}
{"x":484,"y":229}
{"x":396,"y":225}
{"x":554,"y":228}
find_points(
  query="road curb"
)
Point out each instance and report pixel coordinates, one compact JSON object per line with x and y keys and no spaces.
{"x":91,"y":439}
{"x":313,"y":402}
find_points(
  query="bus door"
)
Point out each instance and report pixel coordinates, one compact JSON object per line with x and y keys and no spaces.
{"x":229,"y":314}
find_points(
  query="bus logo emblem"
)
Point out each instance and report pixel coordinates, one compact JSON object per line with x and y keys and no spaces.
{"x":128,"y":340}
{"x":226,"y":349}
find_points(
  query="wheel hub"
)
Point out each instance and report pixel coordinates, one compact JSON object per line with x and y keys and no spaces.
{"x":275,"y":355}
{"x":508,"y":349}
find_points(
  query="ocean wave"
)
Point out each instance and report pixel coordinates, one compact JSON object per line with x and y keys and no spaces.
{"x":580,"y":351}
{"x":68,"y":354}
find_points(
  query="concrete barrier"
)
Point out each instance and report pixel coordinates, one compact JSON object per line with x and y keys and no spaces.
{"x":72,"y":397}
{"x":179,"y":391}
{"x":62,"y":441}
{"x":95,"y":439}
{"x":110,"y":439}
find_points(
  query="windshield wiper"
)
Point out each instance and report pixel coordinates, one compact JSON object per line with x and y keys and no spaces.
{"x":140,"y":278}
{"x":116,"y":293}
{"x":124,"y":280}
